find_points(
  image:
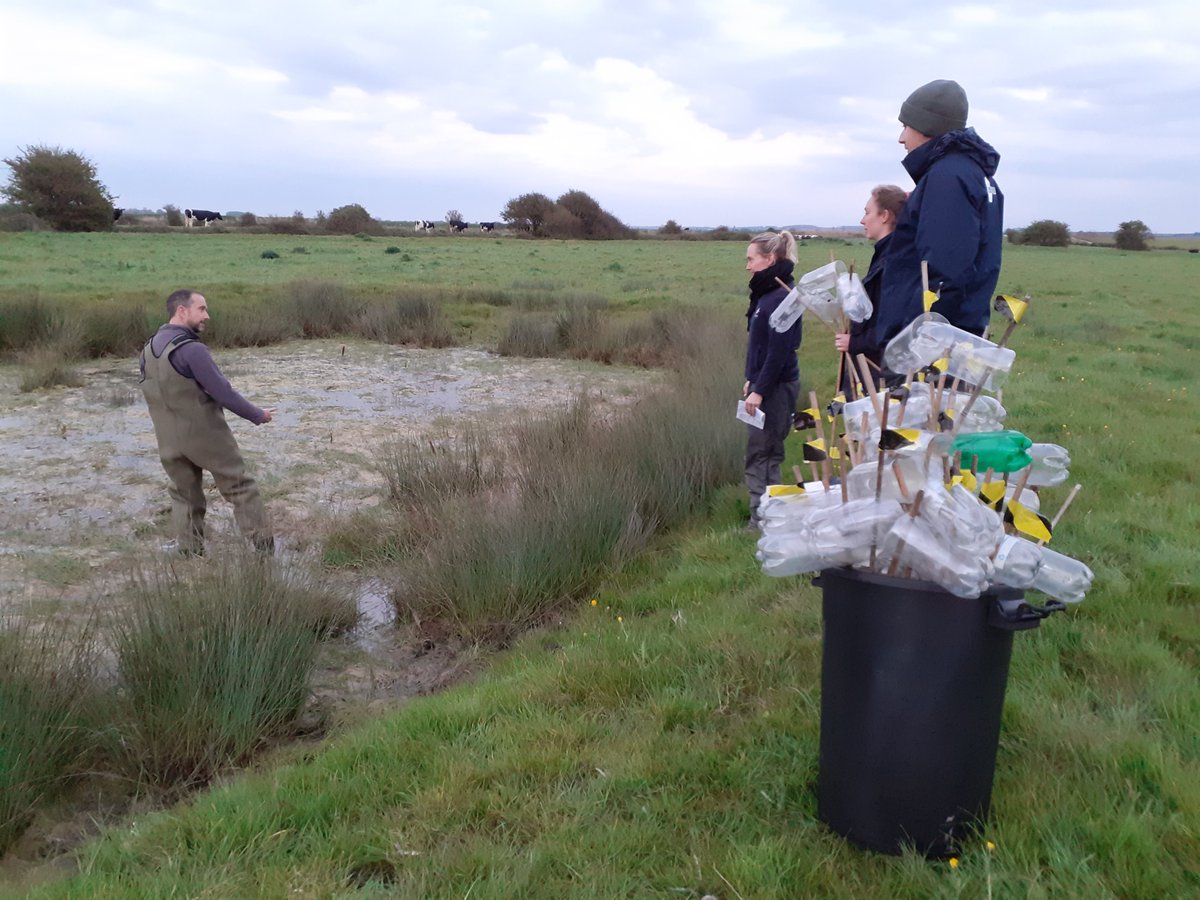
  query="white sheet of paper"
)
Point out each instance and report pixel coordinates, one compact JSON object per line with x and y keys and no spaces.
{"x":758,"y":420}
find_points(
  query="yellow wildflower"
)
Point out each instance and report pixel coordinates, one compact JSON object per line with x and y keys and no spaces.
{"x":954,"y":862}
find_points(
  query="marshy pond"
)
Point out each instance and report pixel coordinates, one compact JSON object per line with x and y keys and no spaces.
{"x":82,"y":492}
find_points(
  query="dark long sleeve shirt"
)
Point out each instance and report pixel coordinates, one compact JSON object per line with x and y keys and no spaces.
{"x":193,"y":360}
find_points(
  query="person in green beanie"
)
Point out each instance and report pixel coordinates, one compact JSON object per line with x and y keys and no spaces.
{"x":953,"y":219}
{"x":187,"y":396}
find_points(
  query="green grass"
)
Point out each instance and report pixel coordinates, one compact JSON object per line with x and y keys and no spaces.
{"x":663,"y":742}
{"x":47,"y":674}
{"x":214,"y":664}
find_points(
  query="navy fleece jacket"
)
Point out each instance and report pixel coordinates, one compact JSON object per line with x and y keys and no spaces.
{"x":770,"y":355}
{"x":954,"y":219}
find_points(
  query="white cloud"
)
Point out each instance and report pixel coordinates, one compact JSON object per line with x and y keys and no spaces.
{"x":734,"y":111}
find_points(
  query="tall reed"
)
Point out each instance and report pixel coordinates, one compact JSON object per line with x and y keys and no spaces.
{"x":213,"y":665}
{"x":47,"y":679}
{"x":580,"y":493}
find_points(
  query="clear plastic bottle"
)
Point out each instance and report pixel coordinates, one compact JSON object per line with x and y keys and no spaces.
{"x":1050,"y":465}
{"x":853,"y":297}
{"x":912,"y":543}
{"x":901,"y":355}
{"x":788,"y":311}
{"x":969,"y":358}
{"x":1062,"y":577}
{"x":1021,"y":563}
{"x":860,"y":481}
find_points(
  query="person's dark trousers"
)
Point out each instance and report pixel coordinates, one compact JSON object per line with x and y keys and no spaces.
{"x":764,"y":447}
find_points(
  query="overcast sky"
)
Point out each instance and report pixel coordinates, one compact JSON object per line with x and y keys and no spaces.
{"x":732,"y":112}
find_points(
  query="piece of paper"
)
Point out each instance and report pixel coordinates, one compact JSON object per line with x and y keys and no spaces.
{"x":758,"y":420}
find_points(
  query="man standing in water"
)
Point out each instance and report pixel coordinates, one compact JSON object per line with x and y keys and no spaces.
{"x":187,"y":396}
{"x":953,"y":219}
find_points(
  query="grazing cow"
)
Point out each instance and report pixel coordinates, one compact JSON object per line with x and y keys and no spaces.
{"x":424,"y":225}
{"x":201,"y":215}
{"x":117,"y":213}
{"x":487,"y":226}
{"x":457,"y":226}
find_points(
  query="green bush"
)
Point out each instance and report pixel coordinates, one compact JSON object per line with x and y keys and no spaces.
{"x":1045,"y":233}
{"x":1133,"y":235}
{"x":47,"y":681}
{"x":60,"y":187}
{"x":213,"y":665}
{"x":352,"y":219}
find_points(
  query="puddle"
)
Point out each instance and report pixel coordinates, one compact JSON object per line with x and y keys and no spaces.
{"x":376,"y":614}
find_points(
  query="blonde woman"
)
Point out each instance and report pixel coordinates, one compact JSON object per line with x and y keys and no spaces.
{"x":772,"y":372}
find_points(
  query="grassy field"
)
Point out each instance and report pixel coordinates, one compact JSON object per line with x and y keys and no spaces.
{"x":662,"y":739}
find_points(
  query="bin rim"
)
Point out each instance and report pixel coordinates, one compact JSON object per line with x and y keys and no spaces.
{"x":912,"y":584}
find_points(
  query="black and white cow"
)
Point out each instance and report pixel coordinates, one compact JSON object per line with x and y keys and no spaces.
{"x":487,"y":226}
{"x":204,"y":216}
{"x":457,"y":226}
{"x":424,"y":225}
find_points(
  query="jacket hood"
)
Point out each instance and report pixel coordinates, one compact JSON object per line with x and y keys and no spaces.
{"x":964,"y":141}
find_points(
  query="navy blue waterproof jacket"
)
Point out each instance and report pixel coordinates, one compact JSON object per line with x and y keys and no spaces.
{"x":771,"y":355}
{"x":953,"y":219}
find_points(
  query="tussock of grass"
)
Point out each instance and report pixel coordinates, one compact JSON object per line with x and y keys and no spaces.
{"x":405,"y":320}
{"x":370,"y":537}
{"x":115,"y":330}
{"x":321,"y":309}
{"x":46,"y":685}
{"x":518,"y":528}
{"x":529,"y":336}
{"x":212,"y":666}
{"x":429,"y":472}
{"x":46,"y":367}
{"x":26,"y":322}
{"x":268,"y":322}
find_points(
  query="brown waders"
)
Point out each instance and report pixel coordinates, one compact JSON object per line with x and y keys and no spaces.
{"x":192,"y":436}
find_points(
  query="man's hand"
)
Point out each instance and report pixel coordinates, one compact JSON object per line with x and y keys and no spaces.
{"x":268,"y":415}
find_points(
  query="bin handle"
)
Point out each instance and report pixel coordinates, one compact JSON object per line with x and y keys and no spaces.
{"x":1015,"y":614}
